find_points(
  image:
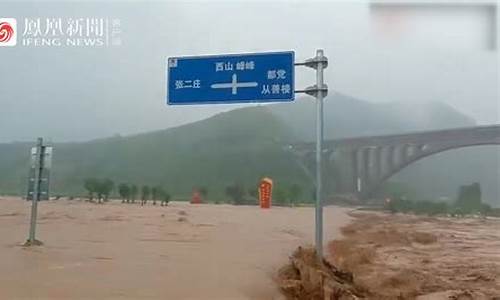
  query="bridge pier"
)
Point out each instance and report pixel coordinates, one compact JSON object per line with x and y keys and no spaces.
{"x":380,"y":161}
{"x":404,"y":153}
{"x":390,"y":158}
{"x":354,"y":170}
{"x":365,"y":178}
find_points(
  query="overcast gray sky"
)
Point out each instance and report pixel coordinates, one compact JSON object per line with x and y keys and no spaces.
{"x":378,"y":55}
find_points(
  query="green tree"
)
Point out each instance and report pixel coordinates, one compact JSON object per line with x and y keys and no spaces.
{"x":280,"y":196}
{"x":103,"y":188}
{"x":236,"y":192}
{"x":397,"y":190}
{"x":106,"y":187}
{"x":295,"y":191}
{"x":145,"y":192}
{"x":124,"y":191}
{"x":469,"y":198}
{"x":155,"y":193}
{"x":91,"y":185}
{"x":134,"y":191}
{"x":165,"y":198}
{"x":486,"y":209}
{"x":401,"y":205}
{"x":430,"y":208}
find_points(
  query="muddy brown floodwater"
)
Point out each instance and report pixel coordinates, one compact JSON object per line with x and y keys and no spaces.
{"x":410,"y":257}
{"x":125,"y":251}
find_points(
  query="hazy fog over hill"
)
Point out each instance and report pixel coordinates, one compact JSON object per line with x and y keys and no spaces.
{"x":76,"y":94}
{"x":346,"y":116}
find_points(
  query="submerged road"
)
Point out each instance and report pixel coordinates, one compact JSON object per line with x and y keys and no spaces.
{"x":125,"y":251}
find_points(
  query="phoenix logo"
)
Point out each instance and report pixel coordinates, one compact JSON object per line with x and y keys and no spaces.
{"x":7,"y":32}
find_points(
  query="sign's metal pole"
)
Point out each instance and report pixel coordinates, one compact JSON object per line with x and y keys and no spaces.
{"x":319,"y":91}
{"x":319,"y":150}
{"x":36,"y":189}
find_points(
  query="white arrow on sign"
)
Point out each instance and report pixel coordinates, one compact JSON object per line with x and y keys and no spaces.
{"x":234,"y":85}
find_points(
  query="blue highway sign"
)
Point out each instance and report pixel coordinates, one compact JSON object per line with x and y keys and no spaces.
{"x":237,"y":78}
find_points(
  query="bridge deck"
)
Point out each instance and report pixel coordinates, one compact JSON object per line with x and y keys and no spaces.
{"x":419,"y":137}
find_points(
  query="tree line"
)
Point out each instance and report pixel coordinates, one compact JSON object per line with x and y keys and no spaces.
{"x":98,"y":188}
{"x":467,"y":202}
{"x":101,"y":189}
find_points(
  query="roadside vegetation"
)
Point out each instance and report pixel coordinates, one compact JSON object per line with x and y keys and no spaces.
{"x":99,"y":190}
{"x":102,"y":189}
{"x":468,"y":202}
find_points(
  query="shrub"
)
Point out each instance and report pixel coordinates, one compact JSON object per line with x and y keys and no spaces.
{"x":418,"y":207}
{"x":236,"y":192}
{"x":469,"y":198}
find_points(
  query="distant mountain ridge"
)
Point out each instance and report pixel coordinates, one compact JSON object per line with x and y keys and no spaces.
{"x":345,"y":116}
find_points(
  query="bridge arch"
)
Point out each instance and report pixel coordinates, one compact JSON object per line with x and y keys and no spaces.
{"x":375,"y":186}
{"x":369,"y":161}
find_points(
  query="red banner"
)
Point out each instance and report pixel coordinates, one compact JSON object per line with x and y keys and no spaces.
{"x":265,"y":192}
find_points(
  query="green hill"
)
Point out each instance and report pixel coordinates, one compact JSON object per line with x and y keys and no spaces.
{"x":237,"y":146}
{"x":245,"y":144}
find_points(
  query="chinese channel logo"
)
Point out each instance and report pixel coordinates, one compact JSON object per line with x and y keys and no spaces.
{"x":70,"y":32}
{"x":60,"y":32}
{"x":8,"y":30}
